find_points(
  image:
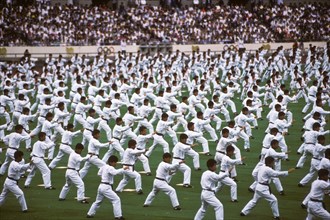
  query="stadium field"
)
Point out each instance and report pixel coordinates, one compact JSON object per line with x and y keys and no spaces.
{"x":44,"y":205}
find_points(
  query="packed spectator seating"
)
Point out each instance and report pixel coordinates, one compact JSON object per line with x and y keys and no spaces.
{"x":86,"y":25}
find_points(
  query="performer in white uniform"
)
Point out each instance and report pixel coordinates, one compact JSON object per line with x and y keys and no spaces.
{"x":11,"y":182}
{"x":209,"y":181}
{"x":107,"y":174}
{"x":163,"y":176}
{"x":130,"y":156}
{"x":316,"y":195}
{"x":72,"y":175}
{"x":265,"y":174}
{"x":38,"y":154}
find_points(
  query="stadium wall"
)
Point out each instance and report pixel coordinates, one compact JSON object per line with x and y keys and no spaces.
{"x":68,"y":51}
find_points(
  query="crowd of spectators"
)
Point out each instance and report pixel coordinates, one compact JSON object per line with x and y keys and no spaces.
{"x":86,"y":25}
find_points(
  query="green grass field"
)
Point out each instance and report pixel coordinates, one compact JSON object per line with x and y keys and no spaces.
{"x":44,"y":204}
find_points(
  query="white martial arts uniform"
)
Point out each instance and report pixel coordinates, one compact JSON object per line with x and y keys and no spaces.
{"x":163,"y":176}
{"x":107,"y":174}
{"x":208,"y":182}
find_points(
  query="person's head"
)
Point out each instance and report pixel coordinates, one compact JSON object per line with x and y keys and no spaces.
{"x":191,"y":126}
{"x":200,"y":115}
{"x":42,"y":136}
{"x":79,"y":90}
{"x":46,"y":91}
{"x":143,"y":130}
{"x":210,"y":104}
{"x":323,"y":174}
{"x":316,"y":115}
{"x":231,"y":124}
{"x":108,"y":103}
{"x":25,"y":111}
{"x":61,"y":106}
{"x":269,"y":161}
{"x":273,"y":131}
{"x":249,"y":102}
{"x":91,"y":112}
{"x":215,"y":98}
{"x":49,"y":116}
{"x":130,"y":109}
{"x":173,"y":107}
{"x":20,"y":96}
{"x":96,"y":134}
{"x":70,"y":127}
{"x":195,"y":92}
{"x":146,"y":102}
{"x":321,"y":139}
{"x":167,"y":157}
{"x":316,"y":126}
{"x":101,"y":92}
{"x":18,"y":155}
{"x":79,"y":148}
{"x":278,"y":107}
{"x":25,"y":86}
{"x":280,"y":98}
{"x":211,"y":165}
{"x":225,"y":132}
{"x":185,"y":99}
{"x":19,"y":129}
{"x":245,"y":110}
{"x":183,"y":138}
{"x":274,"y":144}
{"x":164,"y":117}
{"x":132,"y":144}
{"x":327,"y":153}
{"x":82,"y":99}
{"x":112,"y":161}
{"x":230,"y":150}
{"x":281,"y":115}
{"x":119,"y":121}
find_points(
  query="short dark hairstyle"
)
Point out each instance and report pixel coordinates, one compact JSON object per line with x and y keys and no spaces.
{"x":269,"y":160}
{"x":323,"y":172}
{"x":112,"y":159}
{"x":18,"y":154}
{"x":316,"y":125}
{"x":224,"y":131}
{"x":230,"y":148}
{"x":164,"y":115}
{"x":142,"y":128}
{"x":131,"y":143}
{"x":167,"y":155}
{"x":91,"y":111}
{"x":79,"y":146}
{"x":320,"y":138}
{"x":41,"y":134}
{"x":210,"y":163}
{"x":327,"y":153}
{"x":69,"y":126}
{"x":18,"y":127}
{"x":273,"y":130}
{"x":273,"y":142}
{"x":95,"y":132}
{"x":183,"y":136}
{"x":119,"y":119}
